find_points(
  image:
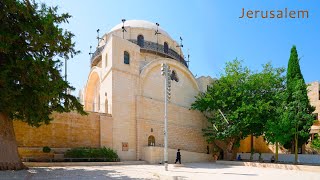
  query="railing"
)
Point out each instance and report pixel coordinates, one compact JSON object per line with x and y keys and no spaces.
{"x":96,"y":53}
{"x":148,"y":46}
{"x":159,"y":48}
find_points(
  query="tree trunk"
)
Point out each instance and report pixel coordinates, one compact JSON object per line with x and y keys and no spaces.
{"x":277,"y":151}
{"x":296,"y":148}
{"x":251,"y":143}
{"x":9,"y":157}
{"x":230,"y":155}
{"x":251,"y":148}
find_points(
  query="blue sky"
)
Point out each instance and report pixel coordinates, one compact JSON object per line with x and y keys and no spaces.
{"x":211,"y":30}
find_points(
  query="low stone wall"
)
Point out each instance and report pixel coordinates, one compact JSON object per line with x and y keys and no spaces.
{"x":67,"y":130}
{"x":309,"y":168}
{"x":288,"y":158}
{"x":154,"y":155}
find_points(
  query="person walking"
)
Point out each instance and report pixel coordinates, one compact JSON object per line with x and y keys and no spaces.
{"x":178,"y":157}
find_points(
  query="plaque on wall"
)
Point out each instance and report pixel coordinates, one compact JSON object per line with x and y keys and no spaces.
{"x":125,"y":146}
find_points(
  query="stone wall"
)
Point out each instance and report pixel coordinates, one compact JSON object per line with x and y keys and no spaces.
{"x":67,"y":130}
{"x":155,"y":155}
{"x":314,"y":97}
{"x":184,"y":126}
{"x":259,"y":145}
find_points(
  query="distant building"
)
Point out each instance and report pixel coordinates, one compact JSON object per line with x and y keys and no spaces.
{"x":314,"y":97}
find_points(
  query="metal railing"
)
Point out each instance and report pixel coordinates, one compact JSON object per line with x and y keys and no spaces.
{"x":96,"y":53}
{"x":147,"y":46}
{"x":159,"y":48}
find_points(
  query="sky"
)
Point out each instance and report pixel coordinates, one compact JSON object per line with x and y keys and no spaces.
{"x":212,"y":32}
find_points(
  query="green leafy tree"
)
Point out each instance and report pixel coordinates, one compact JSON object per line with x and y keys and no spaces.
{"x":239,"y":103}
{"x":32,"y":46}
{"x":276,"y":127}
{"x":298,"y":111}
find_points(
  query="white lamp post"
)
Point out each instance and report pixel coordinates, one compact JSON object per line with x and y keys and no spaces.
{"x":165,"y":71}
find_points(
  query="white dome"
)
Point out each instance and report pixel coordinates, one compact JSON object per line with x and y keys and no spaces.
{"x":139,"y":24}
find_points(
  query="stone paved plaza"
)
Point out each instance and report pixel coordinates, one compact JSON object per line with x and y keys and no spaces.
{"x":187,"y":171}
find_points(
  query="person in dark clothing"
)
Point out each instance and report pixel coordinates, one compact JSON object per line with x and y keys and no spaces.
{"x":178,"y":157}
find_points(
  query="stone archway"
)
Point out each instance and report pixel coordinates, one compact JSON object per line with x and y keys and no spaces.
{"x":92,"y":95}
{"x":151,"y":141}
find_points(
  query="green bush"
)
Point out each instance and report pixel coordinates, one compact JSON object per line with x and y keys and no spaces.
{"x":104,"y":154}
{"x":46,"y":149}
{"x":315,"y":144}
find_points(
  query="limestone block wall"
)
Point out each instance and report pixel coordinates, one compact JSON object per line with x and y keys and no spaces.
{"x":183,"y":92}
{"x":106,"y":130}
{"x":259,"y":145}
{"x":184,"y":126}
{"x":155,"y":155}
{"x":67,"y":130}
{"x":203,"y":82}
{"x":124,"y":89}
{"x":314,"y":97}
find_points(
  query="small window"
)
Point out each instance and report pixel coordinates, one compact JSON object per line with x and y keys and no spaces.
{"x":174,"y":76}
{"x":151,"y":141}
{"x":166,"y":48}
{"x":126,"y":58}
{"x":316,"y":116}
{"x":140,"y":41}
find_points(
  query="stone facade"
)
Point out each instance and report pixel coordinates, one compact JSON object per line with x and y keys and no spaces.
{"x":133,"y":93}
{"x":314,"y":96}
{"x":125,"y":98}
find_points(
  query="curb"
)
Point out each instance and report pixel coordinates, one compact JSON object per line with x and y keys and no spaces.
{"x":309,"y":168}
{"x":62,"y":164}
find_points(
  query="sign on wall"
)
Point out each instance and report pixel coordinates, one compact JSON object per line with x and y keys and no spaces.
{"x":125,"y":146}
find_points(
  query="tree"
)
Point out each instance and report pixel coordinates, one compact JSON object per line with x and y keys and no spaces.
{"x":239,"y":103}
{"x":277,"y":128}
{"x":31,"y":87}
{"x":298,"y":111}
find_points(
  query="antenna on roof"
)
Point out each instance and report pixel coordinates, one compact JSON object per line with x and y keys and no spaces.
{"x":123,"y":29}
{"x":98,"y":38}
{"x":90,"y":53}
{"x":180,"y":46}
{"x":157,"y":33}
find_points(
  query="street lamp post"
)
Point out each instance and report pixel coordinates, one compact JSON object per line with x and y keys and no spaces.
{"x":165,"y":71}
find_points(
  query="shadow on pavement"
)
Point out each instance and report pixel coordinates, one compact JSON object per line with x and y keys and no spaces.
{"x":70,"y":173}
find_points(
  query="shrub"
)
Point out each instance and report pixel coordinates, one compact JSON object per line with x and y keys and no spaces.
{"x":316,"y":143}
{"x":104,"y":154}
{"x":46,"y":149}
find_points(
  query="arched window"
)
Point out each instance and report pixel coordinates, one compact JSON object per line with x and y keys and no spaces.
{"x":151,"y":141}
{"x":166,"y":48}
{"x":126,"y":58}
{"x":140,"y":41}
{"x":174,"y":76}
